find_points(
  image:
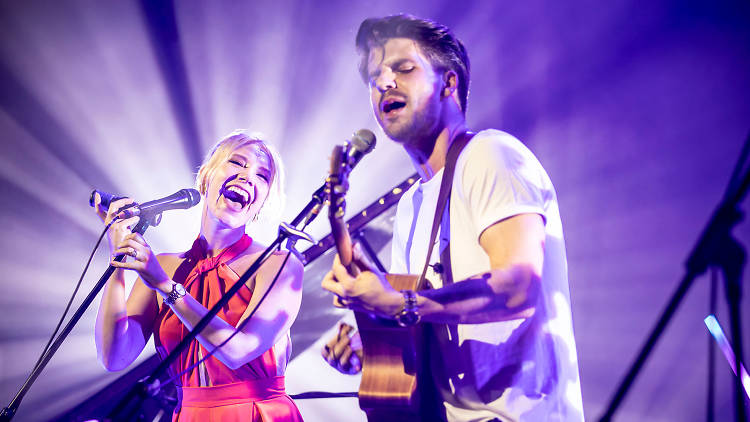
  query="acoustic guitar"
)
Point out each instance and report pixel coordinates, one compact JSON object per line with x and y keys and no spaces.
{"x":395,"y":385}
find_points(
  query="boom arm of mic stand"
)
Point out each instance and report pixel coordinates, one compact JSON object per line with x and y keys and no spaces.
{"x":306,"y":216}
{"x":310,"y":211}
{"x":8,"y":412}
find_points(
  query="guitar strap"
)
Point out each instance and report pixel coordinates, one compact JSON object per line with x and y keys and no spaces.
{"x":431,"y":407}
{"x":446,"y":184}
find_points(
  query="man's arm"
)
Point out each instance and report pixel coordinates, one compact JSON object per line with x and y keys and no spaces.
{"x":509,"y":290}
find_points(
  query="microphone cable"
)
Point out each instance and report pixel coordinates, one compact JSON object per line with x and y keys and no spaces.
{"x":72,"y":297}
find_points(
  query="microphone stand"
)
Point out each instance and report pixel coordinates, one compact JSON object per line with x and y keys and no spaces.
{"x":9,"y":411}
{"x":150,"y":385}
{"x":717,"y":248}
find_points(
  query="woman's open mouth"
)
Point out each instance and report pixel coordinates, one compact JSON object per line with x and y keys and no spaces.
{"x":237,"y":195}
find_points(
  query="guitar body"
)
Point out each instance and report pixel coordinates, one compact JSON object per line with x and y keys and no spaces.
{"x":392,"y":367}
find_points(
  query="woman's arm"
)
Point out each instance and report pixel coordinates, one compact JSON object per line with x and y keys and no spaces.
{"x":122,"y":326}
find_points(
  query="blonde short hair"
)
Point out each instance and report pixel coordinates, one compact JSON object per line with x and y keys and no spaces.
{"x":221,"y":152}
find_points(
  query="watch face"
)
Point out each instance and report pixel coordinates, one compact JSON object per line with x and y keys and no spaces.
{"x":180,"y":289}
{"x":408,"y":319}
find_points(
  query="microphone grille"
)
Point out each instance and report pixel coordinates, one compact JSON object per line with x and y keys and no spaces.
{"x":363,"y":140}
{"x":193,"y":196}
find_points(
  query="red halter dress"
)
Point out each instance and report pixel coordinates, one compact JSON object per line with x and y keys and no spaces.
{"x":211,"y":391}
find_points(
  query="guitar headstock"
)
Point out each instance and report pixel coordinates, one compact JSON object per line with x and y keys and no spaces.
{"x":343,"y":160}
{"x":337,"y":183}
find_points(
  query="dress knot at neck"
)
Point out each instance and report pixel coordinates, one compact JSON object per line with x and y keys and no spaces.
{"x":205,"y":263}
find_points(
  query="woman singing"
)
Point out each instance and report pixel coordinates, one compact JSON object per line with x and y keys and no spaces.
{"x":244,"y":379}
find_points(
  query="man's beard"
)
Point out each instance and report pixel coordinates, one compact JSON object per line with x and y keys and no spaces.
{"x":423,"y":125}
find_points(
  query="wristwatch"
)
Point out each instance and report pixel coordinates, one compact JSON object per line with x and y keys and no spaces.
{"x":408,"y":316}
{"x":178,"y":291}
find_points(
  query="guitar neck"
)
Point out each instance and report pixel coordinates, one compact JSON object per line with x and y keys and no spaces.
{"x":344,"y":245}
{"x":337,"y":186}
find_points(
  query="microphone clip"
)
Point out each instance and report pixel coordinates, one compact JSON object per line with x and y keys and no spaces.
{"x":293,"y":235}
{"x":133,"y":210}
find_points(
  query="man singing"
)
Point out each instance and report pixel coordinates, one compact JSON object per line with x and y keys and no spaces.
{"x":503,"y":346}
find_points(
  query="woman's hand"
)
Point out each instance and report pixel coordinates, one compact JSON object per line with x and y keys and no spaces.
{"x":122,"y":241}
{"x":121,"y":228}
{"x":143,"y":261}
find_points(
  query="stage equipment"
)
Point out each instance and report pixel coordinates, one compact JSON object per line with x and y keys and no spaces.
{"x":716,"y":248}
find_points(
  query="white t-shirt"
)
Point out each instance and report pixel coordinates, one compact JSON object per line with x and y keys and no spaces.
{"x":519,"y":370}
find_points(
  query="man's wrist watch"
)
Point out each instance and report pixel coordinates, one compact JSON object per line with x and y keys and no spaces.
{"x":178,"y":291}
{"x":408,"y":316}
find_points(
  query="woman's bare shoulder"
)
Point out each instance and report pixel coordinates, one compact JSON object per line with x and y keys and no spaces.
{"x":275,"y":260}
{"x":171,"y":260}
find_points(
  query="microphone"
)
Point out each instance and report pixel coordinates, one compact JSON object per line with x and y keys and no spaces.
{"x":362,"y":142}
{"x":180,"y":200}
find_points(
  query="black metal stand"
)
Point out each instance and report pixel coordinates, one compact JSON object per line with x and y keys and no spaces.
{"x":8,"y":412}
{"x":370,"y":251}
{"x":717,"y":248}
